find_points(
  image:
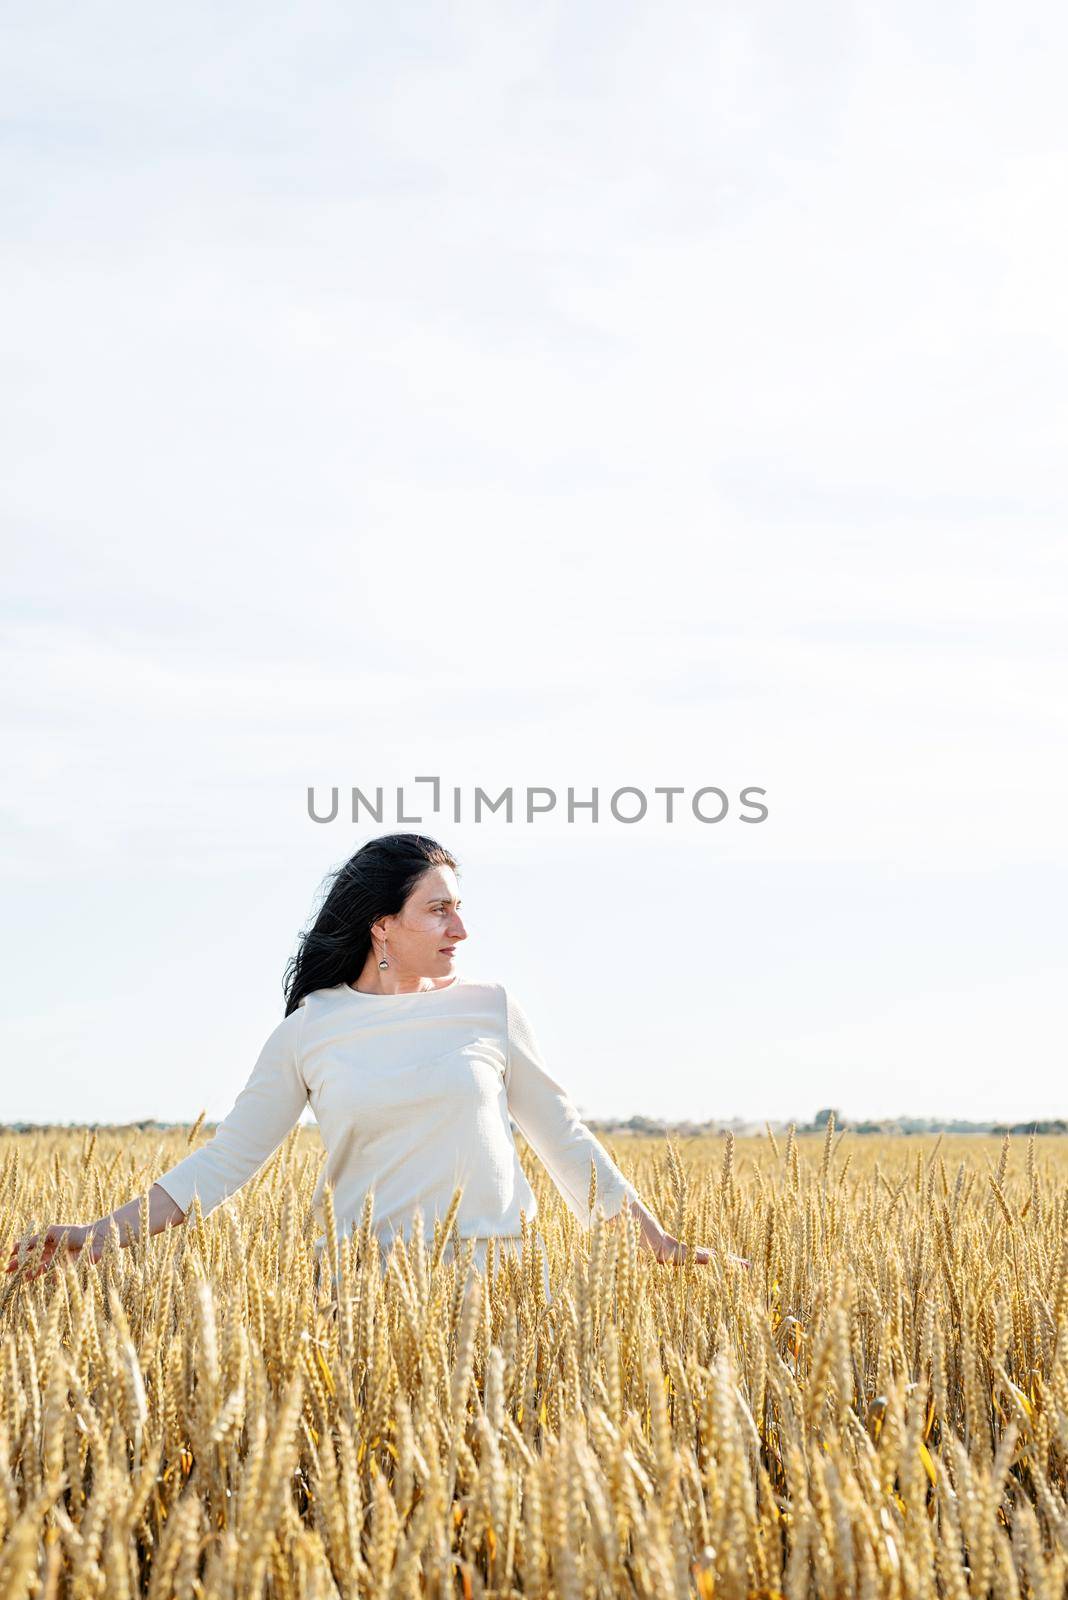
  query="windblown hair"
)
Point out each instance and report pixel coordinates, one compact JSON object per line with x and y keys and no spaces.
{"x":373,"y":883}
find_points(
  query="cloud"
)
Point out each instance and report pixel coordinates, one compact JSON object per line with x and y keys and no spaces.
{"x":558,"y":396}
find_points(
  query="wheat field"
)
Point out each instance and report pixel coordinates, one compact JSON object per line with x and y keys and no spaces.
{"x":879,"y":1407}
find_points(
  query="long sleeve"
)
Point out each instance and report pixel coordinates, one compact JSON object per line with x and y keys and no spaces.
{"x":266,"y":1110}
{"x":550,"y":1123}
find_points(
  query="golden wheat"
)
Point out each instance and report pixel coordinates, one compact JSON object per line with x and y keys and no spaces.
{"x":878,"y":1408}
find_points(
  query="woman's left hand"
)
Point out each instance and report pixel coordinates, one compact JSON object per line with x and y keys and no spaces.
{"x":664,"y":1245}
{"x":671,"y":1249}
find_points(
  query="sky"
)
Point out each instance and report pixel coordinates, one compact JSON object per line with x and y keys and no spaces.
{"x":573,"y":396}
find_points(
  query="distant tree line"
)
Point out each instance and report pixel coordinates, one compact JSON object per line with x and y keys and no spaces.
{"x":920,"y":1125}
{"x":656,"y":1126}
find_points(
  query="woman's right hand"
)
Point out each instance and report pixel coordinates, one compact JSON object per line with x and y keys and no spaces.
{"x":78,"y":1238}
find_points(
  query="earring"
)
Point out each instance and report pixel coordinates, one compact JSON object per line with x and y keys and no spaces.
{"x":383,"y":964}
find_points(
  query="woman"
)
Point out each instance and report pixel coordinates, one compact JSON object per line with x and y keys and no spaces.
{"x":413,"y":1073}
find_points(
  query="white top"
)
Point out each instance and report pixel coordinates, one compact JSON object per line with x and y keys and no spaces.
{"x":413,"y":1094}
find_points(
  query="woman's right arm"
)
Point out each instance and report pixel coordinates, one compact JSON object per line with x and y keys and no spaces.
{"x":265,"y":1111}
{"x":163,"y":1212}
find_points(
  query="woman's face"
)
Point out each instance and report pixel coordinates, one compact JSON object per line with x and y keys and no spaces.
{"x":421,"y":940}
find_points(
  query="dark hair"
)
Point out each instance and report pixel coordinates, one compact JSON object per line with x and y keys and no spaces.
{"x":373,"y":883}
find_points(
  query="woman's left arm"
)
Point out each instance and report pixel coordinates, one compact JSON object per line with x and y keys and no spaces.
{"x":549,"y":1121}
